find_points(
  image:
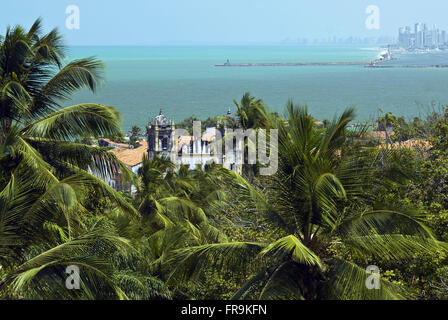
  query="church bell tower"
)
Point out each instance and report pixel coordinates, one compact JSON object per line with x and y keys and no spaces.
{"x":159,"y":133}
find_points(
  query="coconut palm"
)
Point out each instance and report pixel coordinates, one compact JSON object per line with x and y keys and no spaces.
{"x":38,"y":133}
{"x":181,"y":198}
{"x":41,"y":237}
{"x":250,"y":112}
{"x":313,"y":198}
{"x":183,"y":208}
{"x":384,"y":123}
{"x":46,"y":179}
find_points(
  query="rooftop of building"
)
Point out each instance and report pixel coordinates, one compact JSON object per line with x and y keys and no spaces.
{"x":409,"y":144}
{"x":208,"y":136}
{"x":131,"y":157}
{"x":111,"y":143}
{"x":378,"y":134}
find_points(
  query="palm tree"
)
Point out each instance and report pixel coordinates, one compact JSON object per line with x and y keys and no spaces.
{"x":251,"y":113}
{"x":329,"y":242}
{"x":46,"y":178}
{"x":181,"y":198}
{"x":384,"y":123}
{"x":183,"y":208}
{"x":41,"y":236}
{"x":34,"y":129}
{"x":36,"y":134}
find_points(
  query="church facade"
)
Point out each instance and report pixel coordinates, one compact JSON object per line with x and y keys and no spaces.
{"x":163,"y":140}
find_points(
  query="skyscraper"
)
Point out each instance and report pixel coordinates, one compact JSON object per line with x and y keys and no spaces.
{"x":419,"y":43}
{"x":442,"y":38}
{"x":421,"y":37}
{"x":435,"y":37}
{"x":404,"y":37}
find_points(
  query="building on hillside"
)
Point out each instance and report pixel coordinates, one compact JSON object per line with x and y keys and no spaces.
{"x":377,"y":135}
{"x":414,"y":144}
{"x":162,"y":141}
{"x":200,"y":152}
{"x":110,"y":143}
{"x":130,"y":156}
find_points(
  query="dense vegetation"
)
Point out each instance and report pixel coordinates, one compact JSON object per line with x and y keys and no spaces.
{"x":339,"y":202}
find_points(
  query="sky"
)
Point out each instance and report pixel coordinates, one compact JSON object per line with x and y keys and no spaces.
{"x":213,"y":22}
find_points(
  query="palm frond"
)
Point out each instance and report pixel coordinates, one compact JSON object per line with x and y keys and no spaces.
{"x":393,"y":246}
{"x":76,"y":122}
{"x":291,"y":248}
{"x":347,"y":281}
{"x":77,"y":75}
{"x":189,"y":263}
{"x":286,"y":282}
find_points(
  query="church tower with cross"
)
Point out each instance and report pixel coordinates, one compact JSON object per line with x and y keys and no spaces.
{"x":159,"y":133}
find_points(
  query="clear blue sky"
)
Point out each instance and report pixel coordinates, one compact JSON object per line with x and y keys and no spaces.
{"x":146,"y":22}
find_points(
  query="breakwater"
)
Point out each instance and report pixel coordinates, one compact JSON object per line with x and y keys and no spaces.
{"x":304,"y":64}
{"x":408,"y":66}
{"x":290,"y":64}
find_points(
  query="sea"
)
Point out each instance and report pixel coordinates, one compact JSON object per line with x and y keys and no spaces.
{"x":183,"y":81}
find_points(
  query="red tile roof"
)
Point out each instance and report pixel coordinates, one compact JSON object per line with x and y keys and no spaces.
{"x":410,"y":144}
{"x":378,"y":134}
{"x":131,"y":157}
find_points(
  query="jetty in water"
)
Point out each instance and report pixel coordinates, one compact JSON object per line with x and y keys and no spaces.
{"x":290,"y":64}
{"x":302,"y":64}
{"x":384,"y":57}
{"x":409,"y":66}
{"x":372,"y":64}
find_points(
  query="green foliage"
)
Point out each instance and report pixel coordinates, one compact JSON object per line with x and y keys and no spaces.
{"x":312,"y":198}
{"x":337,"y":204}
{"x":210,"y":122}
{"x":251,"y":113}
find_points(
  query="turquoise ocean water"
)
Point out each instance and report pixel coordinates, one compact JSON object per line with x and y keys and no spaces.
{"x":183,"y":81}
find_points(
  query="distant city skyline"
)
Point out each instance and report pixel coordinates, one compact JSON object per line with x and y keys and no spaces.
{"x":341,"y":40}
{"x":422,"y":36}
{"x":154,"y":22}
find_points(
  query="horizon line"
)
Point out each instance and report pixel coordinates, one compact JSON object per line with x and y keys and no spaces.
{"x":224,"y":44}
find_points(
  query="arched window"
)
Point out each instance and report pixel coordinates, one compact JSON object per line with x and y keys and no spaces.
{"x":164,"y":143}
